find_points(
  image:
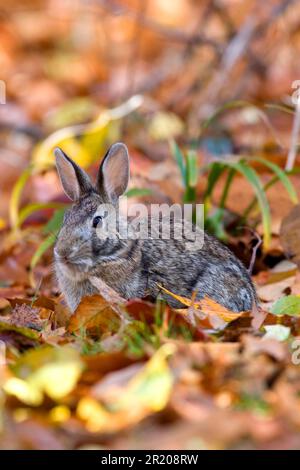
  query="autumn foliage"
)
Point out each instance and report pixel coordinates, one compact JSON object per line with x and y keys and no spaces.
{"x":203,"y":93}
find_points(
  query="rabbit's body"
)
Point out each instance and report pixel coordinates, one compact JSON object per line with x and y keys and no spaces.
{"x":136,"y":268}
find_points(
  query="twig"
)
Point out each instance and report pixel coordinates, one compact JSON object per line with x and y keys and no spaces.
{"x":255,"y":248}
{"x":135,"y":50}
{"x":254,"y":251}
{"x":233,"y":52}
{"x":294,"y":139}
{"x":239,"y":46}
{"x":171,"y":34}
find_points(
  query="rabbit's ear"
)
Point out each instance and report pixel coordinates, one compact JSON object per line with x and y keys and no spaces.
{"x":113,"y":175}
{"x":74,"y":180}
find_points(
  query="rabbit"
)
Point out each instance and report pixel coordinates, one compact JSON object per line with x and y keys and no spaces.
{"x":135,"y":267}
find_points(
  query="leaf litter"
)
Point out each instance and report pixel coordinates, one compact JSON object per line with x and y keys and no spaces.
{"x":120,"y":374}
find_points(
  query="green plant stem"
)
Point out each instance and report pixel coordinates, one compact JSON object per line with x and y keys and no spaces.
{"x":189,"y":195}
{"x":253,"y":203}
{"x":228,"y":182}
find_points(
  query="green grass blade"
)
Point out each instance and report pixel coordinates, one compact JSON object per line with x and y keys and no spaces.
{"x":191,"y":169}
{"x":279,"y":107}
{"x":138,"y":192}
{"x":178,"y":155}
{"x":257,"y":186}
{"x":243,"y":104}
{"x":54,"y":224}
{"x":190,"y":194}
{"x":30,"y":209}
{"x":15,"y":199}
{"x":229,"y":105}
{"x":282,"y":176}
{"x":228,"y":182}
{"x":216,"y":170}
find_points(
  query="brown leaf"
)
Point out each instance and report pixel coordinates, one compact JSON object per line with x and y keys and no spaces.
{"x":259,"y":316}
{"x":94,"y":312}
{"x":271,"y":347}
{"x":56,"y":336}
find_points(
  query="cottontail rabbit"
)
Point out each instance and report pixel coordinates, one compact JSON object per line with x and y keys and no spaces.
{"x":135,"y":267}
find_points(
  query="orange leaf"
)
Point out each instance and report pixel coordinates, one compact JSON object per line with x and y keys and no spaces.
{"x":208,"y":306}
{"x":94,"y":312}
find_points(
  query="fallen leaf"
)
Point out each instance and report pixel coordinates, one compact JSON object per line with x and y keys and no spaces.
{"x":288,"y":305}
{"x":279,"y":332}
{"x":95,"y":312}
{"x":50,"y":370}
{"x":272,"y":292}
{"x":254,"y":346}
{"x":217,"y":314}
{"x":138,"y":399}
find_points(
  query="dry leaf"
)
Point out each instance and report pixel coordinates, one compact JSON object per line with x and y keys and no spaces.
{"x":94,"y":312}
{"x":218,"y":314}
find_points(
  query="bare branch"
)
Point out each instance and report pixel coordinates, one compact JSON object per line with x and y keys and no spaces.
{"x":294,"y":139}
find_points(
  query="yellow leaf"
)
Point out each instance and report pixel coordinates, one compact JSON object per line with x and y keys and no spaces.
{"x":84,"y":143}
{"x":183,"y":300}
{"x":15,"y":198}
{"x":95,"y":415}
{"x":60,"y":413}
{"x":147,"y":392}
{"x":208,"y":306}
{"x":50,"y":370}
{"x":2,"y":223}
{"x":154,"y":376}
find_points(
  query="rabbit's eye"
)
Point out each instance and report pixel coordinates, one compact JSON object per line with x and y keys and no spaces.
{"x":97,"y":220}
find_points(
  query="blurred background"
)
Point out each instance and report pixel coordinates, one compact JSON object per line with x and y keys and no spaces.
{"x":204,"y":93}
{"x":65,"y":62}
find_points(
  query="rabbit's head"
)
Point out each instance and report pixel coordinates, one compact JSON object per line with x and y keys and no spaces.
{"x":89,"y":234}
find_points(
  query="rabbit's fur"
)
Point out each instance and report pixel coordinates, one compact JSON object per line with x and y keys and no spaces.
{"x":136,"y":268}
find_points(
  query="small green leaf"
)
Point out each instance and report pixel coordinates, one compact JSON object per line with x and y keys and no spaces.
{"x":288,"y":305}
